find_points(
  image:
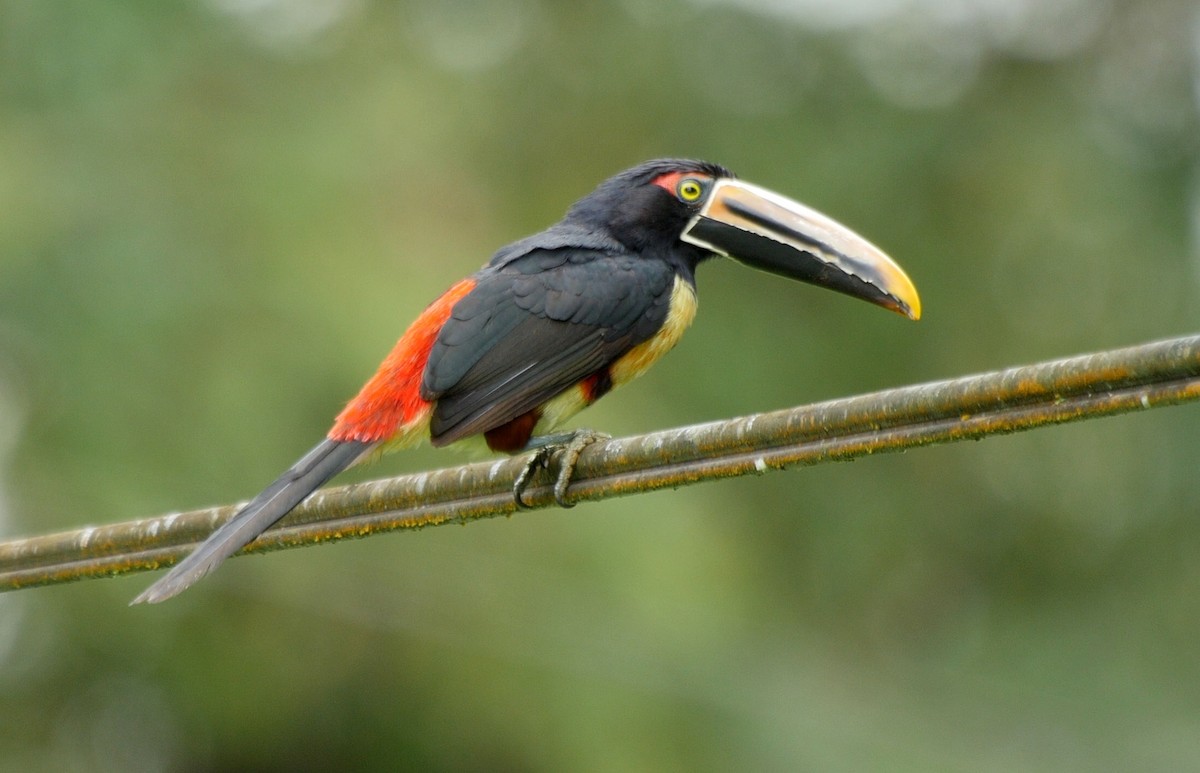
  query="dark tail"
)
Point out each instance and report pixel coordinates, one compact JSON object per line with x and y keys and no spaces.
{"x":327,"y":459}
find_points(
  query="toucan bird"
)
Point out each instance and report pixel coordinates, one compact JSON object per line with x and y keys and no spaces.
{"x":555,"y":321}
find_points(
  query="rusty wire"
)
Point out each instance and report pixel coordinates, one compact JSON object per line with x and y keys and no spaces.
{"x":1012,"y":400}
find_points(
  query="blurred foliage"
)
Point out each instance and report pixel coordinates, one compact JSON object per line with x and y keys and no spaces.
{"x":217,"y":217}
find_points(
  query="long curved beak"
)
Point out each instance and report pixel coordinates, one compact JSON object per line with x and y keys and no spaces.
{"x":770,"y":232}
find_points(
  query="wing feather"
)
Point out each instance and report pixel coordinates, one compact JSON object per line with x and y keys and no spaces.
{"x":534,"y":327}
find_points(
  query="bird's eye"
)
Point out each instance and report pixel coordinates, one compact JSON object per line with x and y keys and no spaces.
{"x":689,"y":189}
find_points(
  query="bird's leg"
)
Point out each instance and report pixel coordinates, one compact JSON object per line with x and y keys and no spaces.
{"x":571,"y":445}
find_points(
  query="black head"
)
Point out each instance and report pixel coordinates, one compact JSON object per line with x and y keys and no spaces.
{"x":685,"y":211}
{"x":648,"y":206}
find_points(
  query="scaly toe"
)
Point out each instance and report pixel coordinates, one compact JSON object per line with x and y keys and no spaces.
{"x":538,"y":461}
{"x":580,"y":440}
{"x":563,"y":450}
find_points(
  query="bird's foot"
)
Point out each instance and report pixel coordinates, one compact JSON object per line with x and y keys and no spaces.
{"x":568,"y":446}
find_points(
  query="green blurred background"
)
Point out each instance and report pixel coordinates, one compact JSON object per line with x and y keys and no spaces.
{"x":217,"y":216}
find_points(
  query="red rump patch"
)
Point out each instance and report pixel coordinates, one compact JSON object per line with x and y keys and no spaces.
{"x":392,"y":398}
{"x":514,"y":436}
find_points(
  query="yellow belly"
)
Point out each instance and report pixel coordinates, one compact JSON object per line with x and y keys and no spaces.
{"x":679,"y":317}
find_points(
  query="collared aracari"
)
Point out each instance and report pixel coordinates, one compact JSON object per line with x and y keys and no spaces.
{"x":554,"y":321}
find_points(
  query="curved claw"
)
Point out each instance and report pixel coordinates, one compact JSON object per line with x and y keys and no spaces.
{"x":567,"y":448}
{"x":539,"y":459}
{"x":580,"y":439}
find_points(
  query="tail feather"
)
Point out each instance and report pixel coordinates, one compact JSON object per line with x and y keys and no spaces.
{"x":326,"y":459}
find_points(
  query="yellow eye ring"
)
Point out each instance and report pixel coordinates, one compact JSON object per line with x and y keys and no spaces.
{"x":689,"y":189}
